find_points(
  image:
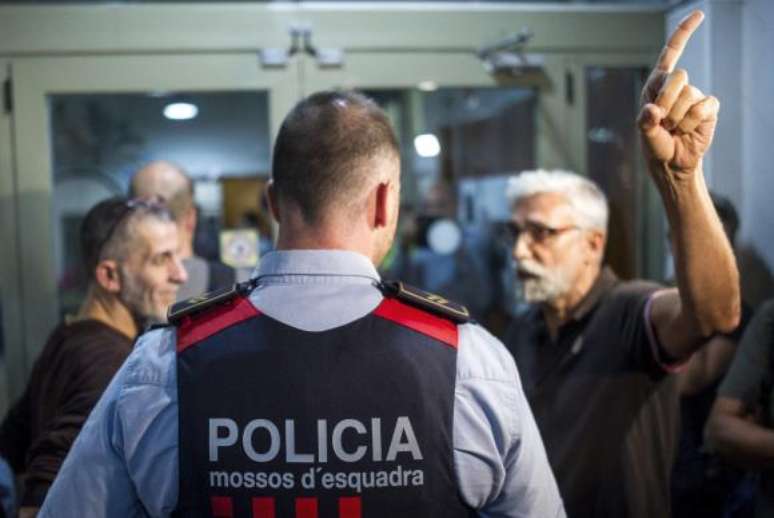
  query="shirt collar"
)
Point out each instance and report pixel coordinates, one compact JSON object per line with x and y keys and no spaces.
{"x":321,"y":263}
{"x":603,"y":283}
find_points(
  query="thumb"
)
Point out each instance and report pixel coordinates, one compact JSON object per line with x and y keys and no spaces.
{"x":658,"y":141}
{"x":650,"y":119}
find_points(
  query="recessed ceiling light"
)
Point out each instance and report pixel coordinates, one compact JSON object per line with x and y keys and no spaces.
{"x":427,"y":145}
{"x":180,"y":111}
{"x":428,"y":86}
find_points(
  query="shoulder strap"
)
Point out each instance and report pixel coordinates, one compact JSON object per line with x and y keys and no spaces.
{"x":195,"y":305}
{"x":427,"y":301}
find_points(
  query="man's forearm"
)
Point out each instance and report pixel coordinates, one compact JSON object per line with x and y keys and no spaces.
{"x":707,"y":276}
{"x":741,"y":441}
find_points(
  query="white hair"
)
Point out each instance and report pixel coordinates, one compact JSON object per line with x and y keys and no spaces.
{"x":586,"y":199}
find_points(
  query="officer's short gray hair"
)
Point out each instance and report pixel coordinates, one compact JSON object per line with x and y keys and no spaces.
{"x":584,"y":196}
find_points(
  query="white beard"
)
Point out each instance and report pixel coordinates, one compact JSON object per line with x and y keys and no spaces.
{"x":546,"y":286}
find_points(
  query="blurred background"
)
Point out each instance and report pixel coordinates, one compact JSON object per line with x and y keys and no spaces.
{"x":477,"y":91}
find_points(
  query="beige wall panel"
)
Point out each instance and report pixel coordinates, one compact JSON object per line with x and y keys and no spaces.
{"x":400,"y":70}
{"x":228,"y":27}
{"x":552,"y":145}
{"x":33,"y":195}
{"x":10,"y":286}
{"x":465,"y":28}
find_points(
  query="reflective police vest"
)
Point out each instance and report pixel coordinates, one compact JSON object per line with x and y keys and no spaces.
{"x":350,"y":422}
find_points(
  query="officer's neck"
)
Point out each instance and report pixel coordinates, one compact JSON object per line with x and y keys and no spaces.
{"x":110,"y":311}
{"x":295,"y":234}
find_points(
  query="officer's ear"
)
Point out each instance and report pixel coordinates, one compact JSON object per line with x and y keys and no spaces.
{"x":271,"y":194}
{"x":382,"y":205}
{"x":107,"y":276}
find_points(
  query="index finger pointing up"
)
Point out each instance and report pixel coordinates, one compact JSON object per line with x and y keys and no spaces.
{"x":677,"y":41}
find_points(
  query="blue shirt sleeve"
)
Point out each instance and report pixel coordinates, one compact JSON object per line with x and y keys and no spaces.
{"x":499,"y":457}
{"x":124,"y":461}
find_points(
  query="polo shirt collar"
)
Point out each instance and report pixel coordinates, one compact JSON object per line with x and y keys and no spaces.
{"x":603,"y":283}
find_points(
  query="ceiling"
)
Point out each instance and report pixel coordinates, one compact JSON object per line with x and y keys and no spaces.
{"x":555,"y":2}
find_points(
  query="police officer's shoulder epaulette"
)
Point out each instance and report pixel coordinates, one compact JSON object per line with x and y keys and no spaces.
{"x":160,"y":325}
{"x":425,"y":300}
{"x":195,"y":305}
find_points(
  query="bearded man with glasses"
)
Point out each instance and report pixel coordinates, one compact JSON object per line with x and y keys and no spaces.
{"x":129,"y":251}
{"x":595,"y":353}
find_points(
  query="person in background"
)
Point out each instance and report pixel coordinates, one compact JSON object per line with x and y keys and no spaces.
{"x":595,"y":353}
{"x":703,"y":486}
{"x":741,"y":425}
{"x":457,"y":266}
{"x":169,"y":182}
{"x":130,"y":254}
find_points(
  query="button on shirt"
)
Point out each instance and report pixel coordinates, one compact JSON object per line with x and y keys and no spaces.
{"x":125,"y":461}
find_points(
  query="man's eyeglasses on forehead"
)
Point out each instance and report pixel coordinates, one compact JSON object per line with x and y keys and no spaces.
{"x":154,"y":203}
{"x":537,"y":232}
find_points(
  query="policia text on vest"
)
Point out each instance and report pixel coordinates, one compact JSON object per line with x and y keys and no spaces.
{"x":348,"y":440}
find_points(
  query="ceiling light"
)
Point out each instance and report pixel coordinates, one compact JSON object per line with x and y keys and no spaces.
{"x":180,"y":111}
{"x":428,"y":86}
{"x":427,"y":145}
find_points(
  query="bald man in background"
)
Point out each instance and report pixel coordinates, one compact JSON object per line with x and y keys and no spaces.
{"x":170,"y":182}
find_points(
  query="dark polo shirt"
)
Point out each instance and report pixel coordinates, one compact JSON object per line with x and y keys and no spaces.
{"x":606,"y":409}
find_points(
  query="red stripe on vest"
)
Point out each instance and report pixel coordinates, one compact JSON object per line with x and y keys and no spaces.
{"x":263,"y":507}
{"x":198,"y":327}
{"x":350,"y":507}
{"x":306,"y":507}
{"x":419,"y":320}
{"x":222,"y":506}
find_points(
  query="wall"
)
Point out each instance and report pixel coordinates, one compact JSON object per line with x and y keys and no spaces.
{"x":730,"y":57}
{"x":757,"y":89}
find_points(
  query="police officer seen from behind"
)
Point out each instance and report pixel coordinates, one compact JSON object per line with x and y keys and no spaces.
{"x":129,"y":251}
{"x":595,"y":353}
{"x":316,"y":390}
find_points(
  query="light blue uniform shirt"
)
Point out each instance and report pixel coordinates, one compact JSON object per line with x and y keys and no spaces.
{"x":124,"y":462}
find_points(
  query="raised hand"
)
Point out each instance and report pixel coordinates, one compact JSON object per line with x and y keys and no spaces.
{"x":677,"y":120}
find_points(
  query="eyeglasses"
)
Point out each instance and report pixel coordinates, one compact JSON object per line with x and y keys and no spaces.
{"x":537,"y":232}
{"x":154,"y":203}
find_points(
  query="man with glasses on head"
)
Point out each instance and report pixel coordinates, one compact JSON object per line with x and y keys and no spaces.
{"x":129,"y":251}
{"x":595,"y":353}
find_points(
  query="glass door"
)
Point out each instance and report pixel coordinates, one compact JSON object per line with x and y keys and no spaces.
{"x":609,"y":86}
